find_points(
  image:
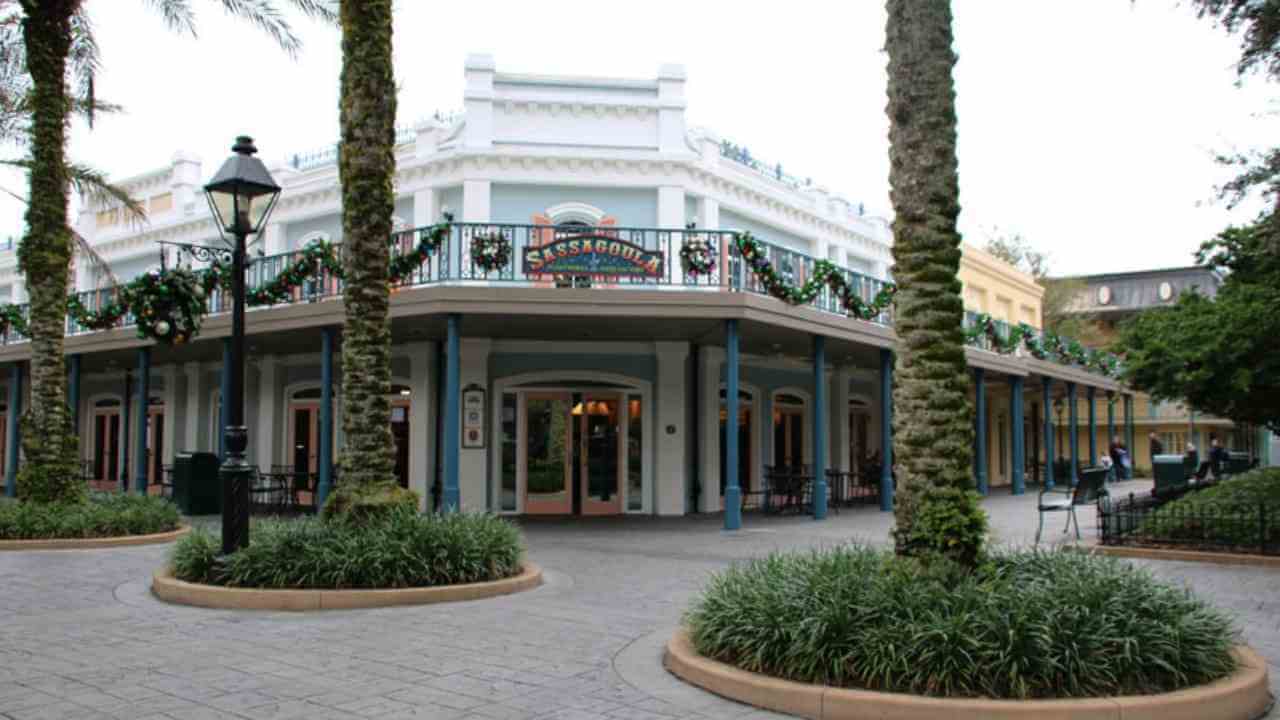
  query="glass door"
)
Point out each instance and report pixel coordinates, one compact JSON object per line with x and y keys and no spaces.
{"x":303,"y":441}
{"x":547,"y":466}
{"x":106,"y":448}
{"x":599,"y":448}
{"x":155,"y":448}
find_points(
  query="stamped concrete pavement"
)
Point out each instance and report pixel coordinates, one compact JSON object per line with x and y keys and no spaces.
{"x":82,"y":637}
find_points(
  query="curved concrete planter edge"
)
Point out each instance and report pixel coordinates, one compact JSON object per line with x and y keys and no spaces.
{"x":170,"y":589}
{"x":94,"y":543}
{"x":1244,"y":695}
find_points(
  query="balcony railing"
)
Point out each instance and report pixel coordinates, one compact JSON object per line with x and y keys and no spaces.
{"x":1003,"y":330}
{"x":451,"y":263}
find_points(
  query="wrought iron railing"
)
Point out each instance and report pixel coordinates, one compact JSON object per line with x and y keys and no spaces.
{"x":1147,"y":521}
{"x":452,"y":263}
{"x":329,"y":155}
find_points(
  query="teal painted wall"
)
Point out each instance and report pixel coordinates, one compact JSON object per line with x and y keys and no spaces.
{"x":518,"y":203}
{"x":642,"y":367}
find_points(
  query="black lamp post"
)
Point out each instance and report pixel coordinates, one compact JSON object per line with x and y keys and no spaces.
{"x":241,"y":197}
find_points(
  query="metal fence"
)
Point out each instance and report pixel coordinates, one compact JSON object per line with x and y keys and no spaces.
{"x":1155,"y":522}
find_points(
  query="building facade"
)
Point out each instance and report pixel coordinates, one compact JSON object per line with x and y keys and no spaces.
{"x":1109,"y":299}
{"x":594,"y":372}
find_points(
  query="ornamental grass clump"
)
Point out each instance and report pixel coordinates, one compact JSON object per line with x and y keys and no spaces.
{"x":101,"y":515}
{"x":402,"y":549}
{"x":1022,"y":625}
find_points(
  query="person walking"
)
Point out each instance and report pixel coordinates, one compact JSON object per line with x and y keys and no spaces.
{"x":1157,"y":447}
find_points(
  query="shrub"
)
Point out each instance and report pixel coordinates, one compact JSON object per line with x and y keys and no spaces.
{"x":1224,"y":514}
{"x":403,"y":549}
{"x":950,"y":522}
{"x":1022,"y":625}
{"x":101,"y":515}
{"x":359,"y":504}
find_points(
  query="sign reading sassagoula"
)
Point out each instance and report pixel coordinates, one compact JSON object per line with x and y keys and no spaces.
{"x":592,"y":255}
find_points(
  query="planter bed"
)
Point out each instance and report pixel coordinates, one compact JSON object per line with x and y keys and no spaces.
{"x":170,"y":589}
{"x":90,"y":543}
{"x":1243,"y":695}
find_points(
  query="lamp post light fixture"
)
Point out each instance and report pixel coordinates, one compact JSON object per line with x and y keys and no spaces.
{"x":241,"y":196}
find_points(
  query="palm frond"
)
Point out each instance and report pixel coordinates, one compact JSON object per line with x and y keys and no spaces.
{"x":268,"y":18}
{"x":82,"y":244}
{"x":94,"y":187}
{"x":84,"y":61}
{"x":177,"y":14}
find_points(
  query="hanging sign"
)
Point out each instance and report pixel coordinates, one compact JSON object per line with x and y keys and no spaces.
{"x":592,"y":255}
{"x":473,"y":417}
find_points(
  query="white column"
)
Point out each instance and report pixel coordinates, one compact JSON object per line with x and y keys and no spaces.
{"x":671,"y":396}
{"x":841,"y":434}
{"x":477,"y":100}
{"x":171,"y":399}
{"x":473,"y":463}
{"x":266,"y":414}
{"x":192,"y":413}
{"x":475,"y":200}
{"x":671,"y":215}
{"x":422,"y":426}
{"x":273,"y":239}
{"x":710,"y":360}
{"x":18,"y":290}
{"x":708,"y":217}
{"x":424,"y":207}
{"x":671,"y":104}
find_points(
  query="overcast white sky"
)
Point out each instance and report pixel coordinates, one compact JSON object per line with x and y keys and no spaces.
{"x":1088,"y":126}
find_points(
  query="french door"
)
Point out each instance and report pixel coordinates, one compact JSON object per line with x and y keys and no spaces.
{"x":106,"y":448}
{"x":573,"y":454}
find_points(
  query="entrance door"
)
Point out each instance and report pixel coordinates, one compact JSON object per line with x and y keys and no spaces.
{"x":596,"y":421}
{"x":788,"y":431}
{"x":155,"y":448}
{"x":304,"y":442}
{"x":106,"y":447}
{"x":546,"y":464}
{"x":400,"y":435}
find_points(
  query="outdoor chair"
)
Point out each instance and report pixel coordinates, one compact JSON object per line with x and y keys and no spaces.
{"x":1090,"y":489}
{"x":1237,"y":462}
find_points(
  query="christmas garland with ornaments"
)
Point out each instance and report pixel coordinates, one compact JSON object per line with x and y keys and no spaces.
{"x":168,"y":305}
{"x":1046,"y":346}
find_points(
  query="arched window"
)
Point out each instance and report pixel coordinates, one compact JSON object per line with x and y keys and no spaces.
{"x":575,"y":213}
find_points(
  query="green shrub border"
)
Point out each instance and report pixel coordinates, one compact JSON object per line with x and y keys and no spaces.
{"x":100,"y":515}
{"x":403,"y":549}
{"x":1024,"y":625}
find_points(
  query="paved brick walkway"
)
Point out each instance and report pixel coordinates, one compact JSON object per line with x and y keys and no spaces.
{"x":81,"y":636}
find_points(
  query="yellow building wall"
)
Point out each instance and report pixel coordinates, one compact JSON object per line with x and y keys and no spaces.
{"x":991,"y":285}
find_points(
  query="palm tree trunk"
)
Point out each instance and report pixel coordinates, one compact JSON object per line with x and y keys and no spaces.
{"x":45,"y":257}
{"x":366,"y":166}
{"x":933,"y":438}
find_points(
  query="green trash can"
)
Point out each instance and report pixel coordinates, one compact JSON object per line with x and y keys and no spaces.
{"x":195,"y":483}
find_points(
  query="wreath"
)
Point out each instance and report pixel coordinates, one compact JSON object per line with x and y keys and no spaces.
{"x":490,"y":251}
{"x":698,"y":257}
{"x":167,"y":305}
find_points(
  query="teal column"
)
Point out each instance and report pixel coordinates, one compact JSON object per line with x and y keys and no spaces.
{"x":1019,"y":436}
{"x":452,"y":399}
{"x":224,"y":405}
{"x":12,"y":436}
{"x":1091,"y":393}
{"x":732,"y":492}
{"x":886,"y":430}
{"x":73,"y":394}
{"x":1047,"y":402}
{"x":1073,"y":433}
{"x":821,"y":426}
{"x":1128,"y":434}
{"x":1111,"y":418}
{"x":140,"y":460}
{"x":324,"y":482}
{"x":980,"y":437}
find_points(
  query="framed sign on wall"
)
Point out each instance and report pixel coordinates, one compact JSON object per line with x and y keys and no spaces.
{"x":473,"y":416}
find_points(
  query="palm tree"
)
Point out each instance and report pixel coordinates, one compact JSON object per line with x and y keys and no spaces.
{"x":58,"y":51}
{"x":366,"y":165}
{"x":932,"y":434}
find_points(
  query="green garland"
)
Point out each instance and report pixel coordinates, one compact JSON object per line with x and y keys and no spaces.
{"x":825,"y":273}
{"x":1046,"y":346}
{"x":429,"y":241}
